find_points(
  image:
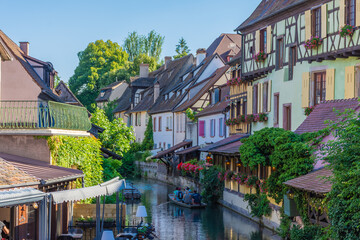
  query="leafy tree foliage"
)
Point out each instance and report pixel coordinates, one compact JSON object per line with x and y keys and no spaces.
{"x":150,"y":45}
{"x":148,"y":142}
{"x":112,"y":168}
{"x":98,"y":64}
{"x":143,"y":58}
{"x":213,"y":187}
{"x":344,"y":158}
{"x":181,"y":49}
{"x":288,"y":152}
{"x":116,"y":136}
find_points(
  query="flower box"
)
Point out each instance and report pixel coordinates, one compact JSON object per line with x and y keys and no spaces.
{"x":313,"y":43}
{"x":260,"y":56}
{"x":347,"y":30}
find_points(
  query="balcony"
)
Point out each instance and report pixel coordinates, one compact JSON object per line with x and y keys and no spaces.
{"x":42,"y":115}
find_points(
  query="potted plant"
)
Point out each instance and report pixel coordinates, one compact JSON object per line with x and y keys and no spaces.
{"x":347,"y":30}
{"x":313,"y":43}
{"x":260,"y":56}
{"x":141,"y":232}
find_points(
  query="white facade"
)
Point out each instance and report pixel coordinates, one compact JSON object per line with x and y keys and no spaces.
{"x":179,"y":127}
{"x":213,"y":133}
{"x":139,"y":122}
{"x":163,"y":127}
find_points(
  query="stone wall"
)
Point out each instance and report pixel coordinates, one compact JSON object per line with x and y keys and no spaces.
{"x":235,"y":201}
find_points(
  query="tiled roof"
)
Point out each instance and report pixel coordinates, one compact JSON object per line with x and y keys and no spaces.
{"x":113,"y":85}
{"x":188,"y":150}
{"x":107,"y":91}
{"x":313,"y":181}
{"x":231,"y":148}
{"x":11,"y":175}
{"x":143,"y":82}
{"x":124,"y":102}
{"x":231,"y":139}
{"x":19,"y":55}
{"x":267,"y":9}
{"x":147,"y":100}
{"x":325,"y":111}
{"x":226,"y":44}
{"x":210,"y":82}
{"x":173,"y":149}
{"x":41,"y":170}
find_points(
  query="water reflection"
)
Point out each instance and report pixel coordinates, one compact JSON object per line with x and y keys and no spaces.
{"x":174,"y":222}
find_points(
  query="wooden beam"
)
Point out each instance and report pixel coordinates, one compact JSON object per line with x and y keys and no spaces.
{"x":330,"y":57}
{"x":319,"y":59}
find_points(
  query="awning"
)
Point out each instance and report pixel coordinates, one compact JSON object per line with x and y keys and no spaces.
{"x":173,"y":149}
{"x":106,"y":188}
{"x":188,"y":150}
{"x":231,"y":148}
{"x":20,"y":196}
{"x":231,"y":139}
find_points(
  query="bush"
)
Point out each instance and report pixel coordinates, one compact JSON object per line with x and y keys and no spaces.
{"x":112,"y":168}
{"x":309,"y":232}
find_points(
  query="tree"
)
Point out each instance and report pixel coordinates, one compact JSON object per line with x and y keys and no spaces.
{"x":343,"y":154}
{"x":98,"y":64}
{"x":143,"y":58}
{"x":148,"y":142}
{"x":116,"y":136}
{"x":181,"y":49}
{"x":150,"y":45}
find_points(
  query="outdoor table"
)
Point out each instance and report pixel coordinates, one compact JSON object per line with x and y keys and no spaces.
{"x":75,"y":235}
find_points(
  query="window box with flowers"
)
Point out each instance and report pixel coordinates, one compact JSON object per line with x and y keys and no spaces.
{"x":261,"y":117}
{"x":347,"y":30}
{"x":313,"y":43}
{"x":308,"y":110}
{"x":234,"y":81}
{"x":260,"y":56}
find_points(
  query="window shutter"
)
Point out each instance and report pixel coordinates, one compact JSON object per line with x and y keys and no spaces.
{"x":350,"y":82}
{"x":305,"y":89}
{"x":260,"y":93}
{"x":269,"y":38}
{"x":201,"y":128}
{"x":330,"y":84}
{"x":257,"y":41}
{"x":342,"y":13}
{"x":269,"y":97}
{"x":307,"y":25}
{"x":249,"y":99}
{"x":324,"y":20}
{"x":357,"y":14}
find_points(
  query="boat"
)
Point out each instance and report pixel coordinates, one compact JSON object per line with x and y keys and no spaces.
{"x":173,"y":200}
{"x":131,"y":193}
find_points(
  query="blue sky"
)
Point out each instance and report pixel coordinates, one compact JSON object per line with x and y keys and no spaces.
{"x":58,"y":30}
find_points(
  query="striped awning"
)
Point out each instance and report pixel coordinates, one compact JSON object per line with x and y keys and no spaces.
{"x":19,"y":196}
{"x":106,"y":188}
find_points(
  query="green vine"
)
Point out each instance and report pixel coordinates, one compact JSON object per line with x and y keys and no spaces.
{"x":82,"y":153}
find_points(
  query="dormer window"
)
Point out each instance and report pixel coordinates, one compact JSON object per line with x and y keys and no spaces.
{"x":102,"y":93}
{"x":215,"y":96}
{"x":166,"y":96}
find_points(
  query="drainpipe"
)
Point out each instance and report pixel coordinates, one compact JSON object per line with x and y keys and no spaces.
{"x":49,"y":214}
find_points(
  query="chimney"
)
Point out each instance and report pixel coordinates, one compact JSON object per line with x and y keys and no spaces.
{"x":156,"y":91}
{"x":24,"y":46}
{"x":144,"y":70}
{"x":200,"y":55}
{"x":167,"y":61}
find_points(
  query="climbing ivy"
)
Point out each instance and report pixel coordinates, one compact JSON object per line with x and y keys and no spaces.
{"x":82,"y":153}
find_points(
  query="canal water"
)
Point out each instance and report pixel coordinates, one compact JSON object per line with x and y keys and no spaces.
{"x":175,"y":222}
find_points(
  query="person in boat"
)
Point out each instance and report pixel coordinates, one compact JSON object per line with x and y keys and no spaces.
{"x":196,"y":198}
{"x":187,"y":198}
{"x":178,"y":194}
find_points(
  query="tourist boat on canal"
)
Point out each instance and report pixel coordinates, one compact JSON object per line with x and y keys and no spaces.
{"x":173,"y":200}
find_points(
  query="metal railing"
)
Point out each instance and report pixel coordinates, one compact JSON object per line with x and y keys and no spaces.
{"x":42,"y":115}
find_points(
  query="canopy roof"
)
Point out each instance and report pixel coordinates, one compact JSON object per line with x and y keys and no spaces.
{"x":17,"y":196}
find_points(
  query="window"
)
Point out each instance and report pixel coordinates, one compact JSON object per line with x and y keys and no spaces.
{"x":102,"y":93}
{"x":168,"y":123}
{"x":177,"y":122}
{"x":217,"y":95}
{"x":169,"y":145}
{"x":264,"y":172}
{"x":138,"y":119}
{"x":137,"y":98}
{"x":233,"y":74}
{"x":154,"y":124}
{"x":164,"y":145}
{"x":276,"y":109}
{"x":292,"y":62}
{"x":212,"y":128}
{"x":238,"y":107}
{"x":316,"y":22}
{"x":233,"y":110}
{"x":263,"y":38}
{"x":255,"y":99}
{"x":280,"y":53}
{"x":202,"y":128}
{"x":287,"y":116}
{"x":159,"y":124}
{"x":319,"y":86}
{"x":221,"y":127}
{"x":265,"y":97}
{"x":350,"y":12}
{"x":155,"y":146}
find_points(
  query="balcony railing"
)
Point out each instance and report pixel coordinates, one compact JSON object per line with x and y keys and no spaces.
{"x":42,"y":115}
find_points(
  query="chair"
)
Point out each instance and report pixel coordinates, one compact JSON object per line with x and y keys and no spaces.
{"x":65,"y":238}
